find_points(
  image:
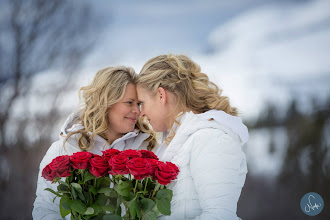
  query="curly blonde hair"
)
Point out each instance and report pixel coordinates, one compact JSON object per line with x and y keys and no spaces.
{"x":182,"y":77}
{"x":107,"y":88}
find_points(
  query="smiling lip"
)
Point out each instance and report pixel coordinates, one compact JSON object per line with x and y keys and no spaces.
{"x":131,"y":119}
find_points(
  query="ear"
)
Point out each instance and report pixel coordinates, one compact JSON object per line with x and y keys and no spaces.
{"x":162,"y":95}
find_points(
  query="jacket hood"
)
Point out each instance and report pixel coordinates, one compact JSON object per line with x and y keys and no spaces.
{"x":71,"y":124}
{"x":216,"y":119}
{"x":232,"y":122}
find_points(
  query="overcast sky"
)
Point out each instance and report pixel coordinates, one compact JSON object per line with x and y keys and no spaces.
{"x":256,"y":51}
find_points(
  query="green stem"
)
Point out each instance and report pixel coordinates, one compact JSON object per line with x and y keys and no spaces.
{"x":157,"y":187}
{"x":145,"y":187}
{"x":136,"y":182}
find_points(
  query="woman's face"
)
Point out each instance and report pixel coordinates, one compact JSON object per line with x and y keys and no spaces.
{"x":154,"y":109}
{"x":123,"y":115}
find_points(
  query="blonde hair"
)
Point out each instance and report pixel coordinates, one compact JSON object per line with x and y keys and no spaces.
{"x":108,"y":88}
{"x":182,"y":77}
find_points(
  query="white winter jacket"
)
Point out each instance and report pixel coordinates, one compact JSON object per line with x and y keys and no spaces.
{"x":44,"y":208}
{"x":207,"y":150}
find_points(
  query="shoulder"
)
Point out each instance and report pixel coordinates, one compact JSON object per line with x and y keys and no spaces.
{"x":215,"y":141}
{"x":58,"y":148}
{"x":213,"y":135}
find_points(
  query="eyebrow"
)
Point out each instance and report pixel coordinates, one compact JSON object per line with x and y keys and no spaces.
{"x":130,"y":99}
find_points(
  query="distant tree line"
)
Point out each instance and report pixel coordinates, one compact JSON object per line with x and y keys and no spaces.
{"x":306,"y":163}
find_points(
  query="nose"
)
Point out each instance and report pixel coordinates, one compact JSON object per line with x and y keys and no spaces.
{"x":136,"y":110}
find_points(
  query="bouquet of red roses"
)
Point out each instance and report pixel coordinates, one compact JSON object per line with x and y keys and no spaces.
{"x":136,"y":188}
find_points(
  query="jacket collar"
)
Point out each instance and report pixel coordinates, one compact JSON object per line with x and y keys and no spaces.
{"x":190,"y":123}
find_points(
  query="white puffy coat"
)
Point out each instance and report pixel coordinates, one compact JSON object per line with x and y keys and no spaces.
{"x":44,"y":208}
{"x":207,"y":150}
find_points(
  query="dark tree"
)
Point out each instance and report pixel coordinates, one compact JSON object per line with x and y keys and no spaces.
{"x":37,"y":37}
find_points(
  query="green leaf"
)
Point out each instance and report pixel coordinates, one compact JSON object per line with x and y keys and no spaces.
{"x":78,"y":189}
{"x":52,"y":191}
{"x":164,"y":194}
{"x":149,"y":215}
{"x":112,"y":217}
{"x":63,"y":188}
{"x":164,"y":206}
{"x":74,"y":193}
{"x":54,"y":198}
{"x":124,"y":188}
{"x":105,"y":181}
{"x":93,"y":190}
{"x":133,"y":208}
{"x":66,"y":202}
{"x":76,"y":186}
{"x":96,"y":208}
{"x":110,"y":208}
{"x":147,"y":204}
{"x":118,"y":207}
{"x":64,"y":183}
{"x":78,"y":206}
{"x":89,"y":211}
{"x":88,"y":176}
{"x":130,"y":197}
{"x":65,"y":206}
{"x":101,"y":199}
{"x":108,"y":191}
{"x":155,"y":210}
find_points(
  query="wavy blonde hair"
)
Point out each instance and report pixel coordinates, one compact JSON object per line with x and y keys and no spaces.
{"x":182,"y":77}
{"x":107,"y":88}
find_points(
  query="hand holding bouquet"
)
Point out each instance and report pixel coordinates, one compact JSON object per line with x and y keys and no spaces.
{"x":137,"y":184}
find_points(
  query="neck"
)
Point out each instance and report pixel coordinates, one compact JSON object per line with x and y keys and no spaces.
{"x":174,"y":117}
{"x":112,"y":136}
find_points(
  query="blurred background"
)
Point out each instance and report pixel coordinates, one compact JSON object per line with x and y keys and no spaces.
{"x":272,"y":58}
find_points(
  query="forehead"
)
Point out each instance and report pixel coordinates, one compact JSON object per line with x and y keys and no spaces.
{"x":143,"y":93}
{"x":130,"y":90}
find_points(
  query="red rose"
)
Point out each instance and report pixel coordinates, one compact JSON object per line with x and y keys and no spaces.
{"x":80,"y":160}
{"x":61,"y":166}
{"x":154,"y":163}
{"x":139,"y":168}
{"x":166,"y":172}
{"x":148,"y":154}
{"x":107,"y":154}
{"x":117,"y":165}
{"x":98,"y":166}
{"x":48,"y":174}
{"x":174,"y":167}
{"x":131,"y":153}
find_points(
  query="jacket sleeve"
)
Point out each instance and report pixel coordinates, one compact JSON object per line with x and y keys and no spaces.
{"x":218,"y":168}
{"x":44,"y":207}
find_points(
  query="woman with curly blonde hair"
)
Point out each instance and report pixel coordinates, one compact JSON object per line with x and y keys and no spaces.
{"x":107,"y":118}
{"x":202,"y":136}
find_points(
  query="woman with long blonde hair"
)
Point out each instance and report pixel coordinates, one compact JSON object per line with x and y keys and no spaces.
{"x":202,"y":136}
{"x":108,"y":118}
